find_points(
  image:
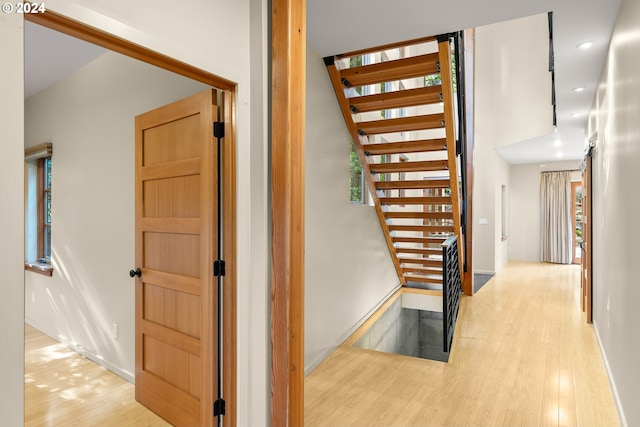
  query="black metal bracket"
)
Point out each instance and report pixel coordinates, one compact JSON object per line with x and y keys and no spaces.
{"x":219,"y":407}
{"x":345,"y":82}
{"x":219,"y":268}
{"x":444,"y":37}
{"x":218,"y":129}
{"x":329,"y":60}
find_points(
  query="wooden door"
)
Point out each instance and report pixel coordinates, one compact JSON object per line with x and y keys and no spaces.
{"x":586,"y":253}
{"x":176,"y":238}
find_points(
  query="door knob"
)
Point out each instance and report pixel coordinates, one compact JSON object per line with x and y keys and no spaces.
{"x":136,"y":272}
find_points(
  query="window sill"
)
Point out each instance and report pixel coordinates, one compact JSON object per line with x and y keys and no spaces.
{"x":40,"y":268}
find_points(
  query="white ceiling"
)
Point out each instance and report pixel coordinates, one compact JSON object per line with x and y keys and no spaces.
{"x":336,"y":26}
{"x":50,"y":56}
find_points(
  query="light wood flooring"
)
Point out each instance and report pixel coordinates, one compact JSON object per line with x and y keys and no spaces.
{"x":523,"y":355}
{"x":63,"y":388}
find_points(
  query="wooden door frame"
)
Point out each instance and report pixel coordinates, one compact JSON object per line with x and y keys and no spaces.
{"x":574,"y":242}
{"x":587,"y":228}
{"x":65,"y":25}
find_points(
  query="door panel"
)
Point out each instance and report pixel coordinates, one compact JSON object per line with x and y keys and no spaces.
{"x":176,"y":302}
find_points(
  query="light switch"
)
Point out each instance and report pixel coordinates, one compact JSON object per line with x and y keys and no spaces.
{"x":483,"y":221}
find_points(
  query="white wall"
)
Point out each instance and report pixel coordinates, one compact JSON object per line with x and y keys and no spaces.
{"x":348,"y":269}
{"x":615,"y":211}
{"x":89,"y":118}
{"x":12,"y":220}
{"x":512,"y":104}
{"x":259,"y":334}
{"x":214,"y":36}
{"x":513,"y":82}
{"x":524,"y":236}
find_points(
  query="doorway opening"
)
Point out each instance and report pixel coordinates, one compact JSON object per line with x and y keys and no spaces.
{"x":77,"y":272}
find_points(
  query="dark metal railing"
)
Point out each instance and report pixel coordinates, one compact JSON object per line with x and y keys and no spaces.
{"x":451,"y":288}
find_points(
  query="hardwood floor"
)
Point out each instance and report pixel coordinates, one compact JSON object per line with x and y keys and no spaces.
{"x":63,"y":388}
{"x":523,"y":355}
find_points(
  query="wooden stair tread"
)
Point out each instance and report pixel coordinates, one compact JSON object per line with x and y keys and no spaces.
{"x":419,"y":215}
{"x":419,"y":251}
{"x":415,"y":200}
{"x":414,"y":184}
{"x":381,"y":48}
{"x":397,"y":99}
{"x":434,"y":280}
{"x":417,"y":146}
{"x":422,"y":261}
{"x":388,"y":71}
{"x":422,"y":228}
{"x":422,"y":270}
{"x":401,"y":124}
{"x":437,"y":240}
{"x":424,"y":166}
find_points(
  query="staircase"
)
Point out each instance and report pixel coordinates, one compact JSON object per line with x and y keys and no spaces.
{"x":398,"y":104}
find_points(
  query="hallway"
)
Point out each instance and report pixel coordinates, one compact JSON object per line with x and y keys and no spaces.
{"x":523,"y":355}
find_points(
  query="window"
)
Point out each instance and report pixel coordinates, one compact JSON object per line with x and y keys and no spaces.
{"x":38,"y":209}
{"x":356,"y":177}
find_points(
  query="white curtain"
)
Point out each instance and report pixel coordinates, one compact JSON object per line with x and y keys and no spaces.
{"x":555,"y":202}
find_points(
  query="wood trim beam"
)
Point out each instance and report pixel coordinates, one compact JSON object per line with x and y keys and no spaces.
{"x":288,"y":87}
{"x":467,"y":277}
{"x":76,"y":29}
{"x":230,"y":294}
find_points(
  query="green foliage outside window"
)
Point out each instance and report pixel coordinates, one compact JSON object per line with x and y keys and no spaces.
{"x":356,"y":180}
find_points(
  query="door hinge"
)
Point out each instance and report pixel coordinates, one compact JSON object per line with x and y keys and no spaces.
{"x":219,"y":407}
{"x":218,"y":268}
{"x":218,"y":129}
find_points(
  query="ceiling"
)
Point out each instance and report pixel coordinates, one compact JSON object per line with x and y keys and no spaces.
{"x":50,"y":56}
{"x":336,"y":26}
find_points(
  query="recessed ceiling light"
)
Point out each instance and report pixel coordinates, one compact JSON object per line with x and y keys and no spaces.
{"x":585,"y":45}
{"x":578,"y":89}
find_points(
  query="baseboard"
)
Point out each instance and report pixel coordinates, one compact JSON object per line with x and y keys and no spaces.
{"x":124,"y":374}
{"x":314,"y":364}
{"x":612,"y":382}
